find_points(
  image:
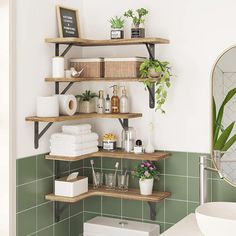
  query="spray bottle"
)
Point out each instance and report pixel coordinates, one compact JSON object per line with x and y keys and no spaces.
{"x":124,"y":102}
{"x":115,"y":101}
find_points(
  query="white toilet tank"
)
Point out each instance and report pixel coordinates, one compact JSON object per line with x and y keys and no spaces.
{"x":104,"y":226}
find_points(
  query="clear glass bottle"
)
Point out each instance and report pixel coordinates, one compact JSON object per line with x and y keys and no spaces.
{"x":128,"y":139}
{"x":124,"y":102}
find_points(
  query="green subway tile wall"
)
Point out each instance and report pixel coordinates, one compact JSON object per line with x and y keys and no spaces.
{"x":179,"y":175}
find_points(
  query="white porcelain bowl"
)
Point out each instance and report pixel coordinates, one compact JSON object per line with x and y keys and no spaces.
{"x":217,"y":218}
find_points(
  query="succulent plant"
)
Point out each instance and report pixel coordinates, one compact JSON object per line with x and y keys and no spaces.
{"x":117,"y":22}
{"x":87,"y":95}
{"x":137,"y":17}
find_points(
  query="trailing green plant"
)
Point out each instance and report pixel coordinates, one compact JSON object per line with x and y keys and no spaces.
{"x":222,"y":139}
{"x":137,"y":16}
{"x":163,"y":69}
{"x":117,"y":22}
{"x":146,"y":170}
{"x":86,"y":96}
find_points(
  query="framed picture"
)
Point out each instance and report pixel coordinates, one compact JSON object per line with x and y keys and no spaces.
{"x":68,"y":22}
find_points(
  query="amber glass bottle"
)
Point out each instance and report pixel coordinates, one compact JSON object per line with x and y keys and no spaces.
{"x":115,"y":101}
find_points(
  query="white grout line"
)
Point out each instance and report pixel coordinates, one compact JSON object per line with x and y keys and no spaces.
{"x":187,"y":186}
{"x":31,"y":182}
{"x":31,"y":208}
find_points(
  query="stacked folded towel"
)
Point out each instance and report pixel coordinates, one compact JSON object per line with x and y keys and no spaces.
{"x":75,"y":140}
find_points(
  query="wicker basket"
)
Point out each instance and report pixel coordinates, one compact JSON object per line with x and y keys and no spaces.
{"x":123,"y":67}
{"x":93,"y":67}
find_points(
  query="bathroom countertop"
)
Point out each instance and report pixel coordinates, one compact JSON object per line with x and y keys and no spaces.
{"x":186,"y":227}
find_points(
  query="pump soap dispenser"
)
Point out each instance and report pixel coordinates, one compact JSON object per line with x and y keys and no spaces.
{"x":115,"y":100}
{"x":124,"y":102}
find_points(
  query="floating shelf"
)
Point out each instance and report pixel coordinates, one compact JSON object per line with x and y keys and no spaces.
{"x":109,"y":42}
{"x":102,"y":79}
{"x":156,"y":156}
{"x":132,"y":194}
{"x":79,"y":116}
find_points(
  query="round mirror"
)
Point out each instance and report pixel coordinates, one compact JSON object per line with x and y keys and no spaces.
{"x":224,"y":115}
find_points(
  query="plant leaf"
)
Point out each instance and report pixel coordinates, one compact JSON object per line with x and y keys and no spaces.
{"x":231,"y":141}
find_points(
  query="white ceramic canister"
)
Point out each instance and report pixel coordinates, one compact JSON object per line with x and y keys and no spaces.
{"x":58,"y":64}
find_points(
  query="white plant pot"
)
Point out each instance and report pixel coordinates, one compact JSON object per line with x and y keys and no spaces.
{"x":146,"y":186}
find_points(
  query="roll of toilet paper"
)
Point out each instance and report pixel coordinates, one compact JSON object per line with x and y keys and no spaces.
{"x":58,"y":67}
{"x":47,"y":106}
{"x":67,"y":104}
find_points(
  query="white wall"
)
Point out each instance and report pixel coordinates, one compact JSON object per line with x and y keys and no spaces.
{"x":198,"y":33}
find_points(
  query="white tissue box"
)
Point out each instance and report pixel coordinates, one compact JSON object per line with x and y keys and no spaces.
{"x":71,"y":188}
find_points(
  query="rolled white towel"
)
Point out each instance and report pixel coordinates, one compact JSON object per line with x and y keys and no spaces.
{"x":76,"y":129}
{"x":60,"y":146}
{"x":75,"y":153}
{"x":70,"y":138}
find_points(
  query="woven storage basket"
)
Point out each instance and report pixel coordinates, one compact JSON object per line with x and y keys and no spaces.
{"x":93,"y":67}
{"x":123,"y":67}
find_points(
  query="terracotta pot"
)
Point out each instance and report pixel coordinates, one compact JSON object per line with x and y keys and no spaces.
{"x":87,"y":106}
{"x":146,"y":186}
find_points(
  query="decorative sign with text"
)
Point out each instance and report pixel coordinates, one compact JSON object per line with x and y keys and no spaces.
{"x":68,"y":22}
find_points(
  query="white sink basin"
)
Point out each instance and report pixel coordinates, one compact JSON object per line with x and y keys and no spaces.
{"x":217,"y":218}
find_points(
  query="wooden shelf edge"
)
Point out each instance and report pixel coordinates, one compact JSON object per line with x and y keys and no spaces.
{"x":132,"y":194}
{"x":102,"y":79}
{"x":156,"y":156}
{"x":107,"y":42}
{"x":78,"y":116}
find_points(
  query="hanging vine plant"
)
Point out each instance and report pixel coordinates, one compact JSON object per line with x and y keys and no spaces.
{"x":151,"y":69}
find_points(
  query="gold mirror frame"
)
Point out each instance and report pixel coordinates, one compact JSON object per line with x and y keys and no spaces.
{"x":211,"y":117}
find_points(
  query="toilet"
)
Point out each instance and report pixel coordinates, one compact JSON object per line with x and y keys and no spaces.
{"x":104,"y":226}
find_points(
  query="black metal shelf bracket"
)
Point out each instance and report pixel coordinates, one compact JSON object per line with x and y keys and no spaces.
{"x":153,"y":212}
{"x":124,"y":123}
{"x":37,"y":134}
{"x":60,"y":207}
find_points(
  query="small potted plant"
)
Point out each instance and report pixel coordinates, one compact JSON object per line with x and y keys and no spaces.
{"x":117,"y":25}
{"x":137,"y":30}
{"x":150,"y":69}
{"x":146,"y":172}
{"x":86,"y":102}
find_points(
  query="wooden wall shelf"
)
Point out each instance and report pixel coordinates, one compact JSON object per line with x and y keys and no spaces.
{"x":156,"y":156}
{"x":79,"y":116}
{"x":102,"y":79}
{"x":109,"y":42}
{"x":132,"y":194}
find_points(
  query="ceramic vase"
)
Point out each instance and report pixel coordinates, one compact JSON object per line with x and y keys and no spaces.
{"x":86,"y":107}
{"x":146,"y":186}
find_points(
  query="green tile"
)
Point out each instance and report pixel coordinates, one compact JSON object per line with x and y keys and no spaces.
{"x":177,"y":186}
{"x":44,"y":167}
{"x":76,"y":225}
{"x":131,"y":208}
{"x":26,"y":196}
{"x":222,"y":191}
{"x":92,"y":204}
{"x":133,"y":181}
{"x":193,"y":189}
{"x":109,"y":163}
{"x":65,"y":213}
{"x":192,"y":206}
{"x":97,"y":162}
{"x":26,"y":170}
{"x":159,"y":184}
{"x":74,"y":165}
{"x":111,"y":206}
{"x":175,"y":211}
{"x":46,"y":232}
{"x":193,"y":164}
{"x":88,"y":173}
{"x":159,"y":211}
{"x":161,"y":166}
{"x":44,"y":187}
{"x":167,"y":226}
{"x":130,"y":164}
{"x":26,"y":222}
{"x":176,"y":164}
{"x":44,"y":215}
{"x":76,"y":208}
{"x":62,"y":228}
{"x":88,"y":216}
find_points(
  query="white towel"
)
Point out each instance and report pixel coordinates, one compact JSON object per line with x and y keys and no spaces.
{"x":62,"y":146}
{"x":76,"y":129}
{"x":75,"y":153}
{"x":70,"y":138}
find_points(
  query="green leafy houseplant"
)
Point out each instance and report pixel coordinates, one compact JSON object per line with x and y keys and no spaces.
{"x":137,"y":16}
{"x":86,"y":96}
{"x":155,"y":68}
{"x":117,"y":22}
{"x":222,"y":139}
{"x":146,"y":170}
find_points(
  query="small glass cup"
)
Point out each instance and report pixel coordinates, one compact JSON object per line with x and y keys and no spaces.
{"x":99,"y":180}
{"x":110,"y":181}
{"x":123,"y":182}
